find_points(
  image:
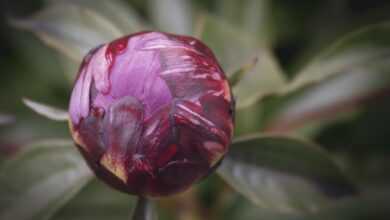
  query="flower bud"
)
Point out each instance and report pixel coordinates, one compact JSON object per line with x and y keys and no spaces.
{"x":151,"y":112}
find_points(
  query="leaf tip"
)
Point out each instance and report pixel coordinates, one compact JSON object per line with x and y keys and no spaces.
{"x":47,"y":111}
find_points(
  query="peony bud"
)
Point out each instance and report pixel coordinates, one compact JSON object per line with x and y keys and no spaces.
{"x":151,"y":112}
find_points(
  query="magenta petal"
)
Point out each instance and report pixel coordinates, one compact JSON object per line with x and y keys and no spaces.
{"x":79,"y":102}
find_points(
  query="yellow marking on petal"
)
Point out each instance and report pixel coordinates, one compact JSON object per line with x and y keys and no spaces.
{"x":216,"y":150}
{"x":226,"y":89}
{"x":76,"y":137}
{"x":114,"y":166}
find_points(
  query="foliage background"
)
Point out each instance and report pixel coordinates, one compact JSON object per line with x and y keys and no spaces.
{"x":354,"y":131}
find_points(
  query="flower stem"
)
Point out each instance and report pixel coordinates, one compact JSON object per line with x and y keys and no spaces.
{"x":144,"y":210}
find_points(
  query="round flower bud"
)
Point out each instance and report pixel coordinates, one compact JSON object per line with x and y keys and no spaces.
{"x":151,"y":112}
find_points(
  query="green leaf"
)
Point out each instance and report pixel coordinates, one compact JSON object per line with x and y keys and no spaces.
{"x":74,"y":27}
{"x":265,"y":78}
{"x":99,"y":202}
{"x":284,"y":174}
{"x":69,"y":67}
{"x":41,"y":179}
{"x":317,"y":89}
{"x":238,"y":75}
{"x":365,"y":207}
{"x":118,"y":12}
{"x":333,"y":99}
{"x":351,"y":73}
{"x":175,"y":16}
{"x":49,"y":112}
{"x":70,"y":29}
{"x":29,"y":127}
{"x":234,"y":49}
{"x":253,"y":16}
{"x":235,"y":206}
{"x":359,"y":48}
{"x":144,"y":210}
{"x":362,"y":207}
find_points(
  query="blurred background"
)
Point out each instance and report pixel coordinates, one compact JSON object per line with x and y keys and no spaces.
{"x":348,"y":116}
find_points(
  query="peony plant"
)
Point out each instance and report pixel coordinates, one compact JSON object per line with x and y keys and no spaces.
{"x":158,"y":108}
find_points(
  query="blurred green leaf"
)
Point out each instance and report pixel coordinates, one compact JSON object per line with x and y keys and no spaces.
{"x":144,"y":210}
{"x":350,"y":74}
{"x":41,"y":179}
{"x":29,"y":127}
{"x":265,"y":78}
{"x":359,"y":48}
{"x":335,"y":65}
{"x":238,"y":75}
{"x":47,"y":111}
{"x":69,"y":67}
{"x":365,"y":50}
{"x":99,"y":202}
{"x":253,"y":16}
{"x":70,"y":29}
{"x":365,"y":207}
{"x":175,"y":16}
{"x":74,"y":27}
{"x":332,"y":99}
{"x":235,"y":49}
{"x":232,"y":47}
{"x":284,"y":174}
{"x":236,"y":206}
{"x":118,"y":12}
